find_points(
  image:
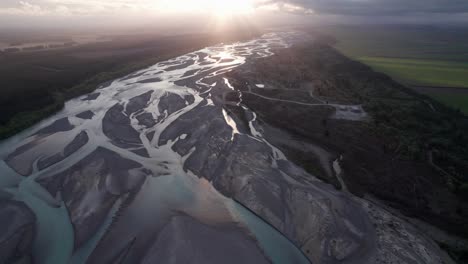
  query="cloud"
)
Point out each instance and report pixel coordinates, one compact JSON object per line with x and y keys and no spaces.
{"x":377,"y":7}
{"x":283,"y":6}
{"x":24,"y":8}
{"x":73,"y":7}
{"x":396,"y":9}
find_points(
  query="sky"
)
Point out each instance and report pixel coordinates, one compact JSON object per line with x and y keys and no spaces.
{"x":62,"y":12}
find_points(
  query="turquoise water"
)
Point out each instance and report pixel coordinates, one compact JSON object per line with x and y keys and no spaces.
{"x":158,"y":198}
{"x":55,"y":236}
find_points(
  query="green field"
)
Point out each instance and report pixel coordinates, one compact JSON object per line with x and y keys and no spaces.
{"x":421,"y":72}
{"x":428,"y":43}
{"x":414,"y":56}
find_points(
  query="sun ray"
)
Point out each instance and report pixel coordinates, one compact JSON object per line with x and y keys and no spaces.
{"x":216,"y":7}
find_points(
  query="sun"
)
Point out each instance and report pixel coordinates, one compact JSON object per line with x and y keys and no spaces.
{"x":219,"y":8}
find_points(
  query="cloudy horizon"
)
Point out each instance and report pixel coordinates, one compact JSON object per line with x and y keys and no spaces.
{"x":49,"y":12}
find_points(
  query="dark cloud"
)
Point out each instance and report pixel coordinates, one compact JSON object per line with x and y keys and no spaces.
{"x":379,"y":7}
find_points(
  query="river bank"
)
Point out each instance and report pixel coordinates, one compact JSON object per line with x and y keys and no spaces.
{"x":33,"y":91}
{"x":189,"y":145}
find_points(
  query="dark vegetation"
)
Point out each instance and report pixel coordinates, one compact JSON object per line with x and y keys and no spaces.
{"x":412,"y":153}
{"x":36,"y":84}
{"x":459,"y":255}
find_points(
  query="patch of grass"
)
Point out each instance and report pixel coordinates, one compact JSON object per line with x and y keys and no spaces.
{"x":421,"y":72}
{"x":457,"y":101}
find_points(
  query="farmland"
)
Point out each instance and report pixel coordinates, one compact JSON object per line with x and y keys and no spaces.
{"x":415,"y":56}
{"x":421,"y":72}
